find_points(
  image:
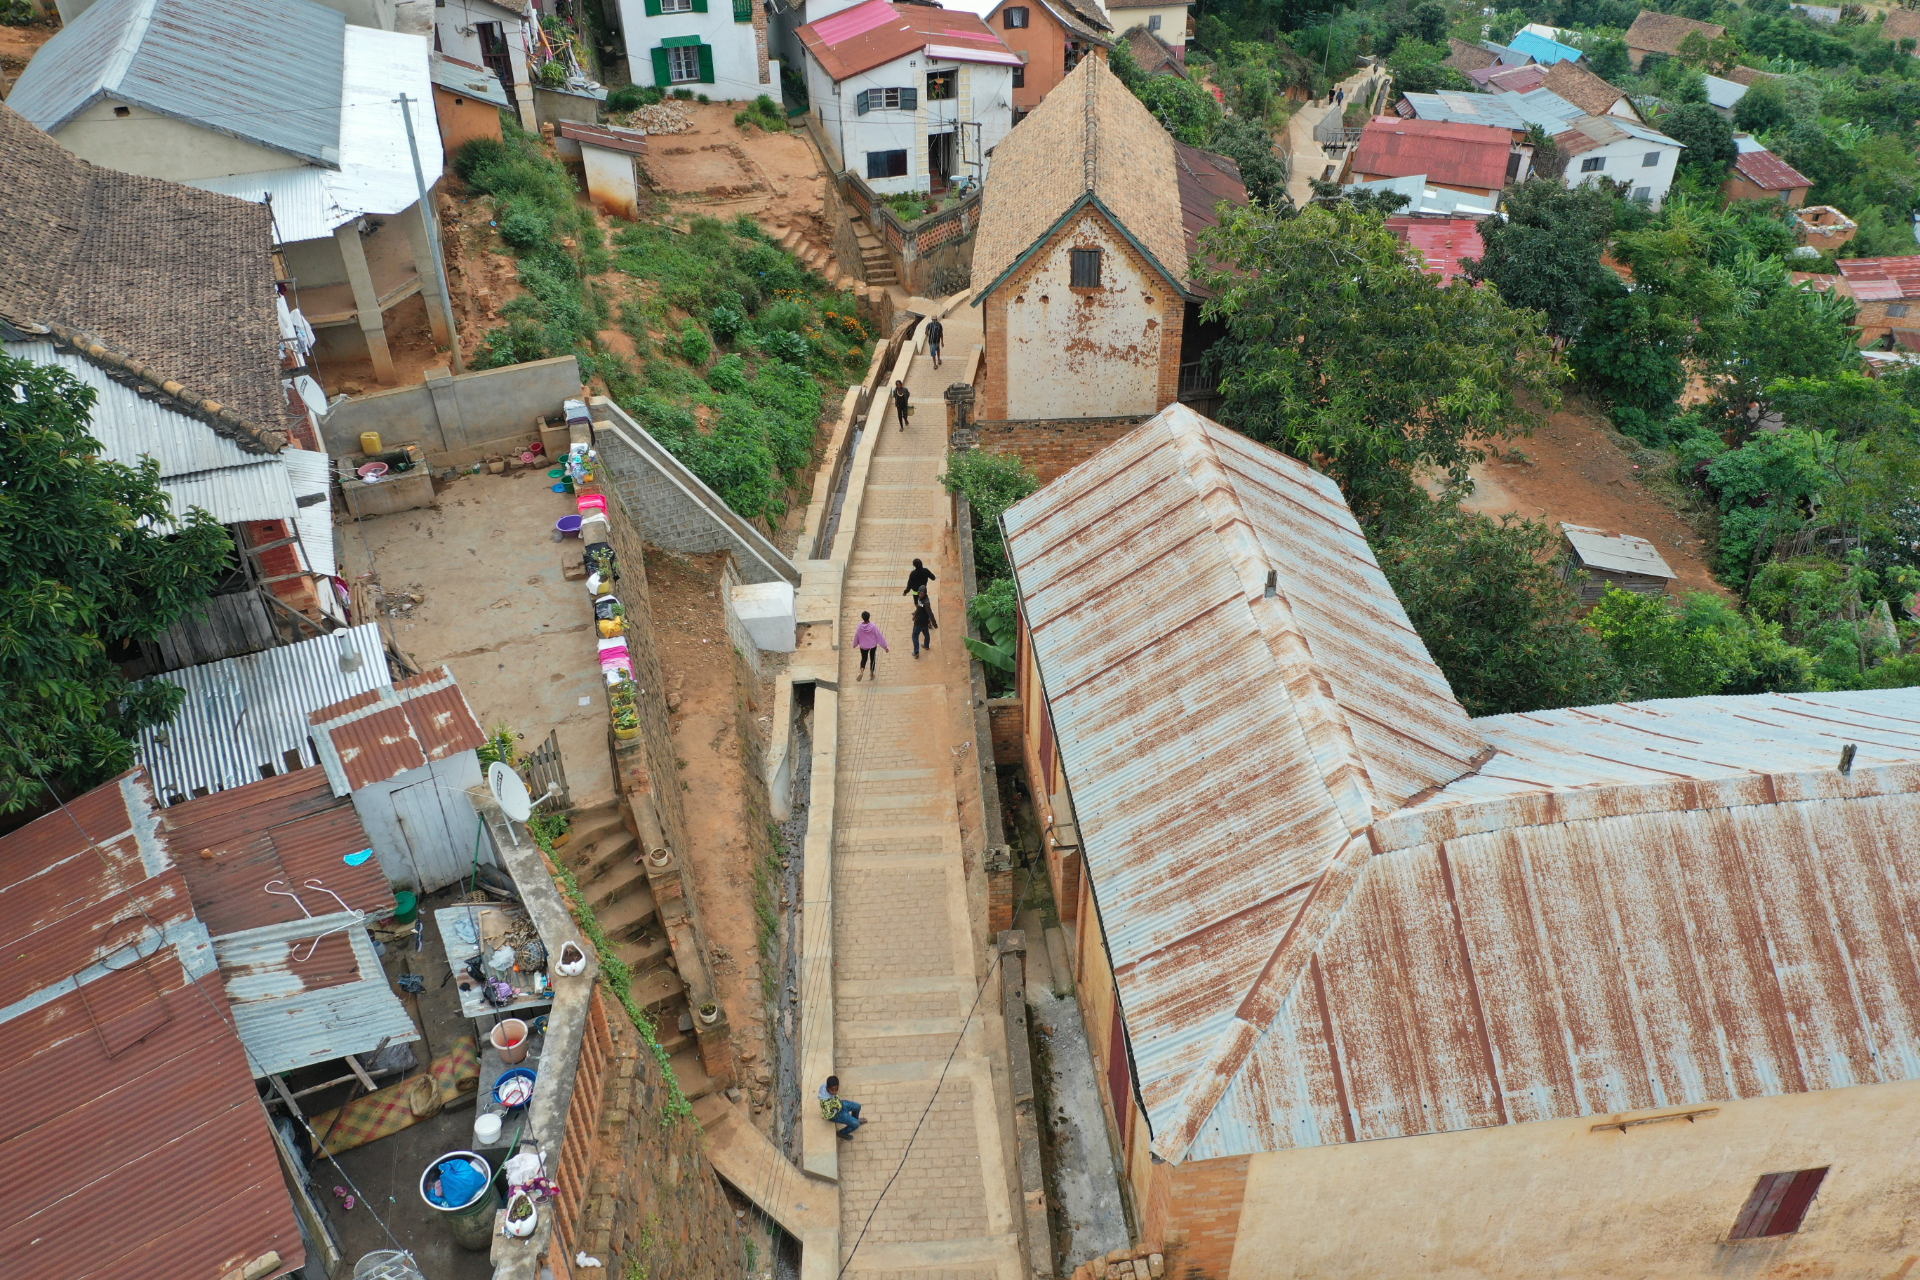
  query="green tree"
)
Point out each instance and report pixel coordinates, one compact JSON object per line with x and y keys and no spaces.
{"x":992,"y":482}
{"x":1763,"y":107}
{"x":1546,"y":255}
{"x":1341,"y":351}
{"x":91,"y":556}
{"x":1248,"y":144}
{"x":1707,"y":136}
{"x":1608,"y":58}
{"x":1493,"y":610}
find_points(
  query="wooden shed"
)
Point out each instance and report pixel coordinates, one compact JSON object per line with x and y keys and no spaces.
{"x":1613,"y":559}
{"x":608,"y":153}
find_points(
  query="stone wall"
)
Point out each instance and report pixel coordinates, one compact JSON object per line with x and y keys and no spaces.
{"x":1145,"y":1262}
{"x":1052,"y":446}
{"x":671,"y":507}
{"x":654,"y":1205}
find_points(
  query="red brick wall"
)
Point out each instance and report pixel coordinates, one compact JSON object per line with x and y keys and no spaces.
{"x":1195,"y":1209}
{"x":1052,"y":447}
{"x":1004,"y":714}
{"x":297,"y":592}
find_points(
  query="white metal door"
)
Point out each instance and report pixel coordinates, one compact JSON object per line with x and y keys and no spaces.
{"x":438,"y":827}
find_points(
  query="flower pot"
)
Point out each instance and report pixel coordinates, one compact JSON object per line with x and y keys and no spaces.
{"x":572,"y":962}
{"x":522,"y":1216}
{"x":708,"y":1014}
{"x":660,"y":859}
{"x":626,"y":735}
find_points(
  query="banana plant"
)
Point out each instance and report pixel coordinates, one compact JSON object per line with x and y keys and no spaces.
{"x":995,"y":612}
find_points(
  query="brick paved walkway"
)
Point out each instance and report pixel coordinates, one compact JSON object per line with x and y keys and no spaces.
{"x":907,"y":967}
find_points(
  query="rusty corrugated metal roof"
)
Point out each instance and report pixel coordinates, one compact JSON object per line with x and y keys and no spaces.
{"x":1224,"y":743}
{"x":294,"y":1012}
{"x":291,"y":828}
{"x":1882,"y":279}
{"x":144,"y":1150}
{"x":1622,"y":907}
{"x":379,"y":735}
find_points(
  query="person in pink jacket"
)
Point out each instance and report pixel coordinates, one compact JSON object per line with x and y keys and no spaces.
{"x":867,"y":638}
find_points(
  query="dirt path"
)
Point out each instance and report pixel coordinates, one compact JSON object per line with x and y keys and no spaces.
{"x":19,"y":44}
{"x":1576,"y":471}
{"x":708,"y":720}
{"x":723,"y":170}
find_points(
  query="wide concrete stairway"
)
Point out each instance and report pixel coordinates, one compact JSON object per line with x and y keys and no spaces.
{"x":602,"y":856}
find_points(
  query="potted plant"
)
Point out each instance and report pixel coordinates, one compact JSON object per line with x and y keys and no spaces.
{"x":522,"y":1215}
{"x":709,"y":1013}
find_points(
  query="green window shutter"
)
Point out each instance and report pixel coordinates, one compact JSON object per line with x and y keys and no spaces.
{"x":863,"y":102}
{"x":909,"y":99}
{"x":661,"y":75}
{"x":653,"y":8}
{"x":699,"y":6}
{"x":743,"y":10}
{"x":706,"y":60}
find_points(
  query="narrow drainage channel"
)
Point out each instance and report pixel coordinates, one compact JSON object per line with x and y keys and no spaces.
{"x":786,"y":1024}
{"x":825,"y":548}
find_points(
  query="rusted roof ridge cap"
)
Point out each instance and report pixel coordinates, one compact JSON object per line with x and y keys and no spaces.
{"x":1285,"y":964}
{"x":242,"y":431}
{"x":1411,"y":828}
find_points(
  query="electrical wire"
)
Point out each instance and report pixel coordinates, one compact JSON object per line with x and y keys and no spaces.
{"x":225,"y":1016}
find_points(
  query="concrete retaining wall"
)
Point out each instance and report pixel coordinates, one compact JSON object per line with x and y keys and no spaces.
{"x":456,"y":418}
{"x":672,"y":507}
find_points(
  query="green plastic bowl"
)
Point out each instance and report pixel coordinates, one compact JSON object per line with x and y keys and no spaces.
{"x":408,"y":908}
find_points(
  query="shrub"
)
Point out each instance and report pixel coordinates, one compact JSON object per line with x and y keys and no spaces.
{"x":695,"y":349}
{"x":729,"y":375}
{"x":683,"y":95}
{"x":526,"y":227}
{"x":631,"y":97}
{"x":727,"y":319}
{"x":784,"y":344}
{"x":992,"y":482}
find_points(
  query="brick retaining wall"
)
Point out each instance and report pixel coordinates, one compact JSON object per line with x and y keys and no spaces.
{"x":1052,"y":446}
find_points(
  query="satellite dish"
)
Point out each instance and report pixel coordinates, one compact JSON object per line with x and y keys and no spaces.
{"x":509,"y":791}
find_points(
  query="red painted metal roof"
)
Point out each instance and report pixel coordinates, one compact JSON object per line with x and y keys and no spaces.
{"x":1451,"y":155}
{"x":144,"y":1150}
{"x":379,"y":735}
{"x":1767,"y":170}
{"x":875,"y":33}
{"x":291,"y":828}
{"x":1442,"y":242}
{"x":1882,"y":279}
{"x":1498,"y":79}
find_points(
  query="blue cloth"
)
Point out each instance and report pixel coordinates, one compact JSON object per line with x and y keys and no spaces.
{"x":460,"y":1182}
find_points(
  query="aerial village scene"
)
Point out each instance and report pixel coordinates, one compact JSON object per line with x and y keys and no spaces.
{"x":1361,"y":558}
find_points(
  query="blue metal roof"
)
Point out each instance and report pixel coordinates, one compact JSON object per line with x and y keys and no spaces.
{"x":1542,"y":49}
{"x":264,"y":71}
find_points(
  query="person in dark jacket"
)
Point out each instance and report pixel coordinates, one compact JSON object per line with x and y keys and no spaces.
{"x":917,"y":580}
{"x":936,"y":334}
{"x":923,"y":621}
{"x":901,"y":408}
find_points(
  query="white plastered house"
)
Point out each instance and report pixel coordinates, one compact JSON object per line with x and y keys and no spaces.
{"x":712,"y":47}
{"x":494,"y":35}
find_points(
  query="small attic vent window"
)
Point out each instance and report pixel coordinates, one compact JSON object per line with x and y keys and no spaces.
{"x":123,"y":112}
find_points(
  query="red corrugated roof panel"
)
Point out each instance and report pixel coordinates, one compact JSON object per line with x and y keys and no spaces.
{"x":1882,"y":279}
{"x":372,"y":738}
{"x":1767,"y":170}
{"x":291,"y":828}
{"x":1441,"y":242}
{"x":875,"y":33}
{"x":1451,"y":155}
{"x":140,"y":1147}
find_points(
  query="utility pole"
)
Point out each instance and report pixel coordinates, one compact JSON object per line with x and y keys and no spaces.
{"x":432,"y":220}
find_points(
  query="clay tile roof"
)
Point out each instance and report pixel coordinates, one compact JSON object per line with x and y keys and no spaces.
{"x":1465,"y":155}
{"x":370,"y":738}
{"x":1582,"y":88}
{"x":1768,"y":171}
{"x":1154,"y":55}
{"x":1901,"y":24}
{"x":1468,"y":57}
{"x":1088,"y":140}
{"x":1751,"y":76}
{"x":1662,"y":32}
{"x":875,"y":33}
{"x":147,"y":278}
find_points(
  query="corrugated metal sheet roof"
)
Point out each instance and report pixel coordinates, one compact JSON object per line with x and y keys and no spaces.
{"x":1764,"y":169}
{"x":1622,"y":553}
{"x":1541,"y":49}
{"x":875,"y":33}
{"x":293,"y":1014}
{"x":1432,"y":202}
{"x":375,"y":173}
{"x":1505,"y":79}
{"x":265,"y":71}
{"x":1224,"y":743}
{"x":1505,"y":110}
{"x":468,"y":80}
{"x":381,"y":735}
{"x":243,"y":714}
{"x":1724,"y":94}
{"x":1205,"y":181}
{"x":138,"y":1083}
{"x":198,"y":467}
{"x":1441,"y":243}
{"x":1448,"y":153}
{"x":290,"y":828}
{"x":311,"y":474}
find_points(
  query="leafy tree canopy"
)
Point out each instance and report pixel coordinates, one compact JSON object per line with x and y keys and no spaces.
{"x":91,"y":557}
{"x":1707,"y":136}
{"x":1340,"y":350}
{"x":1546,"y":255}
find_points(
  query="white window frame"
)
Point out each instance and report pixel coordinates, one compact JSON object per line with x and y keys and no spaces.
{"x":683,"y":57}
{"x":676,"y":6}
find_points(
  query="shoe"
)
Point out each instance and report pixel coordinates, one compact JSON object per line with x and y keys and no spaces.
{"x":845,"y":1136}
